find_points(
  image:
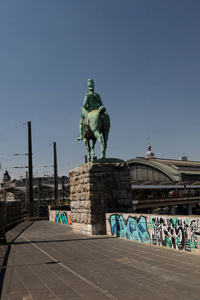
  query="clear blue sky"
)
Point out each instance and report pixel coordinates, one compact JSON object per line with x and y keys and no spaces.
{"x":144,"y":56}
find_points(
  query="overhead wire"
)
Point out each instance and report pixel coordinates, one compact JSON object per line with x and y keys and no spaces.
{"x":13,"y":128}
{"x":69,"y":163}
{"x":37,"y":150}
{"x":39,"y":168}
{"x":16,"y":155}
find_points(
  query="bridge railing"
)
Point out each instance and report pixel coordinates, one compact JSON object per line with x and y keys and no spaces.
{"x":10,"y":215}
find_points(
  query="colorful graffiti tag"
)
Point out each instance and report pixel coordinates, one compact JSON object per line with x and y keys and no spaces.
{"x":63,"y":217}
{"x":133,"y":229}
{"x":177,"y":233}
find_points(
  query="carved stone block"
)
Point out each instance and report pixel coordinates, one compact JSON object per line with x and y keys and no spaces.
{"x":97,"y":188}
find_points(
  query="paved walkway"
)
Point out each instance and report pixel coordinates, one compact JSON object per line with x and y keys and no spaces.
{"x":45,"y":260}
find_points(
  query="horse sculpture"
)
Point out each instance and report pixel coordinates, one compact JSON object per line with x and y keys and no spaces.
{"x":96,"y":127}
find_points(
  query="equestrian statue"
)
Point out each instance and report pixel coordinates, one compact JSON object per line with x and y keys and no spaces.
{"x":95,"y":122}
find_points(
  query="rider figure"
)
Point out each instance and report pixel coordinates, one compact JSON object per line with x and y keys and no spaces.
{"x":92,"y":101}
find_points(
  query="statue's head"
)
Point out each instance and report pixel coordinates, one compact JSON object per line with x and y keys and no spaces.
{"x":90,"y":84}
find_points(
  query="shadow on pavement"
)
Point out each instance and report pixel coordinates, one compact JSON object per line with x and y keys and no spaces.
{"x":65,"y":240}
{"x":5,"y":260}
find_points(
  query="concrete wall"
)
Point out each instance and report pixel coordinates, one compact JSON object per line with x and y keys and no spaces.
{"x":177,"y":232}
{"x":62,"y":217}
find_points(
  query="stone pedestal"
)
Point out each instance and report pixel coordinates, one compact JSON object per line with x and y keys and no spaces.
{"x":95,"y":189}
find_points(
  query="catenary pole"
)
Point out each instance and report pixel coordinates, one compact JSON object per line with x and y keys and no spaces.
{"x":55,"y":174}
{"x":30,"y":168}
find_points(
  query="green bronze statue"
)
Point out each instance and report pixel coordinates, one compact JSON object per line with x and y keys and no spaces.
{"x":94,"y":123}
{"x":91,"y":102}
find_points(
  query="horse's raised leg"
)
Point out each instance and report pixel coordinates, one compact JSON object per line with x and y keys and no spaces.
{"x":87,"y":144}
{"x":99,"y":138}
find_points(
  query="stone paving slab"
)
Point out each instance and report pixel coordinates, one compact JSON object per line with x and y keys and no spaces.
{"x":45,"y":260}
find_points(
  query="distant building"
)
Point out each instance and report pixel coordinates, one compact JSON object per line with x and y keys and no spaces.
{"x":184,"y":158}
{"x":43,"y":189}
{"x":149,"y":153}
{"x":43,"y":180}
{"x":161,"y":171}
{"x":167,"y":185}
{"x":152,"y":170}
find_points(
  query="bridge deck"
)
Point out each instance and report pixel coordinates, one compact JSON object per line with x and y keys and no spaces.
{"x":45,"y":260}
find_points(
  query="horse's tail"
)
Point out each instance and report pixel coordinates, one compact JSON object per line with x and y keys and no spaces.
{"x":102,"y":109}
{"x":106,"y":121}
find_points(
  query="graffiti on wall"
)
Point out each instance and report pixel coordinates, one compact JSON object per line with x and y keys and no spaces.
{"x":63,"y":217}
{"x":177,"y":233}
{"x":133,"y":229}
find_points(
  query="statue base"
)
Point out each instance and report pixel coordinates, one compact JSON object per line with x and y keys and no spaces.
{"x":96,"y":189}
{"x":107,"y":160}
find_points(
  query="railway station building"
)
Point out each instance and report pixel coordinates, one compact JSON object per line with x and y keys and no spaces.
{"x":168,"y":185}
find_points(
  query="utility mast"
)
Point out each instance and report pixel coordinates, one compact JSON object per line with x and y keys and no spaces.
{"x":55,"y":174}
{"x":30,"y":168}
